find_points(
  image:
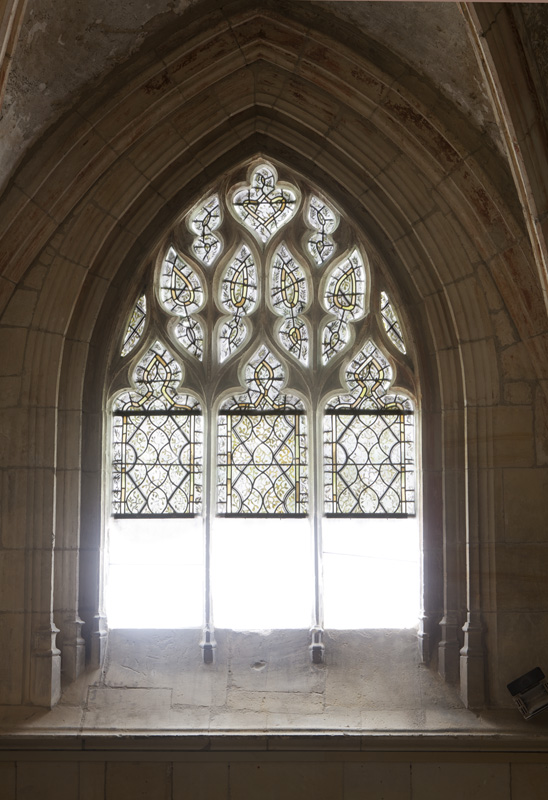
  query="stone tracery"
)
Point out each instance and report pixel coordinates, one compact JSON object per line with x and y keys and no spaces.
{"x":262,"y":452}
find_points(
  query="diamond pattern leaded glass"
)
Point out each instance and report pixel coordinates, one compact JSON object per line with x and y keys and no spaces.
{"x":264,"y":205}
{"x":203,"y":221}
{"x":157,"y":443}
{"x":289,"y":290}
{"x":135,"y":326}
{"x":324,"y":220}
{"x":262,"y":441}
{"x":369,"y":443}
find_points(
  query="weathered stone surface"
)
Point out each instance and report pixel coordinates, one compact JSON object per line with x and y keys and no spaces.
{"x":53,"y":781}
{"x":192,"y":782}
{"x":138,"y":780}
{"x":477,"y":781}
{"x":387,"y":781}
{"x":529,"y":781}
{"x":293,"y":780}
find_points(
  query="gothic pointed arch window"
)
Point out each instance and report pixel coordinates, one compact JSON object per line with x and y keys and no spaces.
{"x":263,"y":461}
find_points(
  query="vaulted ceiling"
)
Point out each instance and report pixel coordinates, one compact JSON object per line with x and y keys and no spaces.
{"x":66,"y":48}
{"x":394,"y":102}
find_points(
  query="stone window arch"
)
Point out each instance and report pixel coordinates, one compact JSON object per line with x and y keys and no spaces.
{"x":262,"y":391}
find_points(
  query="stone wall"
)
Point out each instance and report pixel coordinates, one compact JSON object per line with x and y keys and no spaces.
{"x":217,"y":770}
{"x":87,"y":210}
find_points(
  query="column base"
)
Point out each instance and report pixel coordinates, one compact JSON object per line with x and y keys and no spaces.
{"x":45,"y":676}
{"x":472,"y":666}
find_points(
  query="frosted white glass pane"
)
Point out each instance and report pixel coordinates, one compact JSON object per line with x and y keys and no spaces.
{"x":262,"y":573}
{"x":371,"y":573}
{"x":155,"y":573}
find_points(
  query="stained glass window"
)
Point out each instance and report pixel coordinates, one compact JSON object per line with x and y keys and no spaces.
{"x":135,"y":326}
{"x":262,"y":371}
{"x":262,"y":458}
{"x":239,"y":296}
{"x":345,"y":299}
{"x":324,"y":220}
{"x":181,"y":293}
{"x":369,"y":443}
{"x":289,"y":289}
{"x":157,"y":442}
{"x":264,"y":205}
{"x":391,"y":323}
{"x":203,"y":221}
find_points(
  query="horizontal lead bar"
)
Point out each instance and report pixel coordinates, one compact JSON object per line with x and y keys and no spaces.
{"x":361,"y":412}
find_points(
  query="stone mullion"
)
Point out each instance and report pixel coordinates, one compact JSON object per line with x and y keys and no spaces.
{"x":212,"y":386}
{"x":315,"y":449}
{"x":209,"y":477}
{"x":316,"y":458}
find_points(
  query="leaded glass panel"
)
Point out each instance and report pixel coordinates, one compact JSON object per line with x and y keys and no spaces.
{"x":157,"y":442}
{"x":262,"y":463}
{"x":369,"y":443}
{"x":369,"y":376}
{"x":345,"y":299}
{"x":182,"y":293}
{"x":157,"y":376}
{"x":294,"y":337}
{"x":264,"y":377}
{"x":368,"y":459}
{"x":391,"y":323}
{"x":190,"y":334}
{"x":238,"y":296}
{"x":324,"y":220}
{"x":135,"y":326}
{"x":336,"y":336}
{"x":262,"y":445}
{"x":203,"y":221}
{"x":239,"y":286}
{"x":289,"y":289}
{"x":155,"y":464}
{"x":264,"y":205}
{"x":181,"y":290}
{"x":232,"y":335}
